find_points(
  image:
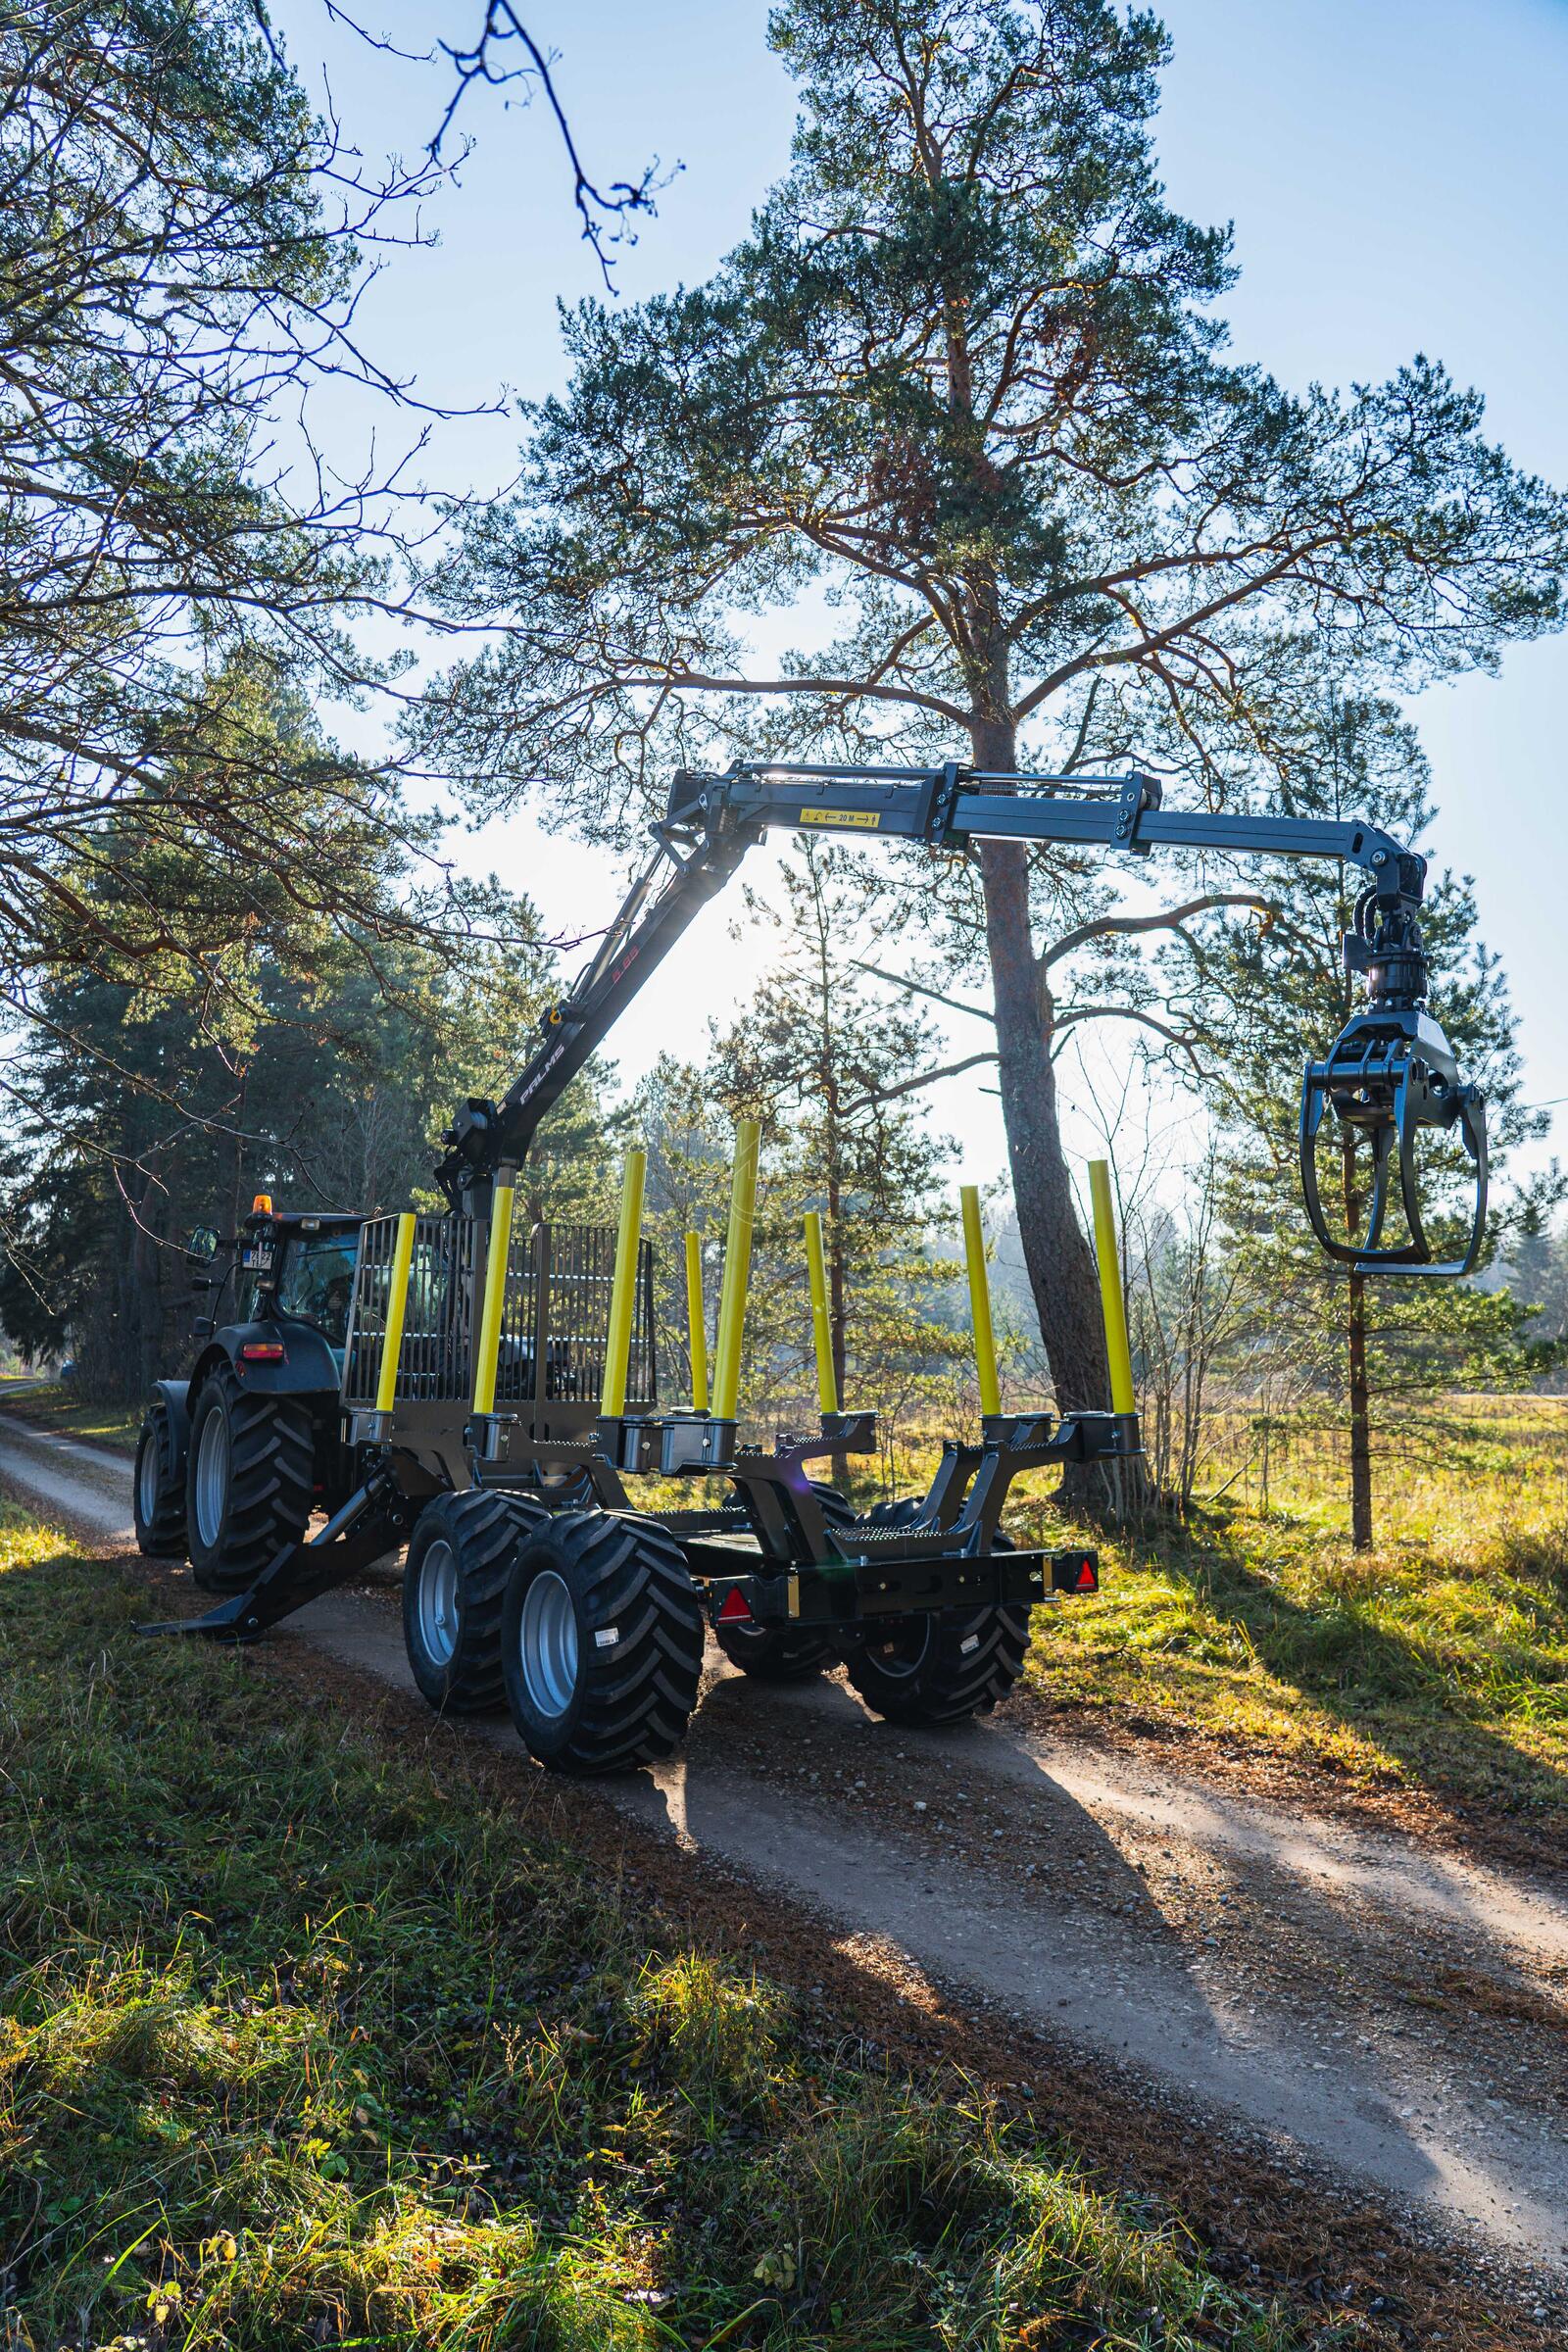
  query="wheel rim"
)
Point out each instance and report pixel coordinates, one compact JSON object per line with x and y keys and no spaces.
{"x":902,"y":1650}
{"x":147,"y":1479}
{"x":211,"y":1476}
{"x":438,"y":1603}
{"x":547,"y":1643}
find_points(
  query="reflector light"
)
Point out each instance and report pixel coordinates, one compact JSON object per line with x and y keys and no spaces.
{"x":262,"y":1205}
{"x":262,"y":1352}
{"x":1088,"y":1582}
{"x":734,"y":1605}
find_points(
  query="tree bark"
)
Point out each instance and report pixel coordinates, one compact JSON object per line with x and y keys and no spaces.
{"x":1361,"y":1419}
{"x":1361,"y":1393}
{"x":1063,"y":1276}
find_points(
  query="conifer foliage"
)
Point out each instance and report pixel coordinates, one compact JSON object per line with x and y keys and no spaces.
{"x":966,"y":376}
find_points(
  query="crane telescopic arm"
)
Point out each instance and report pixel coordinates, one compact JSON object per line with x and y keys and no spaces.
{"x":1390,"y":1072}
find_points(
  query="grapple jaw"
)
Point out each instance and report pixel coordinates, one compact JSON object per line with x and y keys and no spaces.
{"x":1390,"y":1074}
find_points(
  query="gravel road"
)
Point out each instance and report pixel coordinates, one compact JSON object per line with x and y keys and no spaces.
{"x":1358,"y":2000}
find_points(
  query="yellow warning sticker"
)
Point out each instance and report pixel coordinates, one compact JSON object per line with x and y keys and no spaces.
{"x":866,"y":821}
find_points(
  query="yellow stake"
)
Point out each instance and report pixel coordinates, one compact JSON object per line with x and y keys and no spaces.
{"x":1113,"y":1304}
{"x":985,"y":1338}
{"x":498,"y":1252}
{"x":827,"y":1388}
{"x":695,"y":1321}
{"x":623,"y":1289}
{"x":397,"y":1300}
{"x":737,"y":1270}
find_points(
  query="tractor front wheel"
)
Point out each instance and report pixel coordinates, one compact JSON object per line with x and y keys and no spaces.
{"x":159,"y":1487}
{"x":601,"y":1642}
{"x":248,"y":1482}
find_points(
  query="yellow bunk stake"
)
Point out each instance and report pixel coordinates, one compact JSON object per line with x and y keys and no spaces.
{"x":696,"y":1323}
{"x":827,"y":1388}
{"x":623,"y":1289}
{"x":737,"y":1270}
{"x":985,"y":1338}
{"x":497,"y":1255}
{"x":1113,"y":1304}
{"x":397,"y":1303}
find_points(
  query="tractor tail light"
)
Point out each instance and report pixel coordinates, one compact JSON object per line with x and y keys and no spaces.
{"x":262,"y":1352}
{"x":735,"y":1607}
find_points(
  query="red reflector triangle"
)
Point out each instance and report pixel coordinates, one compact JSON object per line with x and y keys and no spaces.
{"x":734,"y":1606}
{"x":1088,"y":1582}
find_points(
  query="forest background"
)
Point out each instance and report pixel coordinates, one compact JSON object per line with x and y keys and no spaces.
{"x":193,"y":1024}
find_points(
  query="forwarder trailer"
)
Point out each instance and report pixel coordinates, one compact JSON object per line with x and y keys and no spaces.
{"x":483,"y":1393}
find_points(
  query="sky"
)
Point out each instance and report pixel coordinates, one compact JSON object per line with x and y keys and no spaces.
{"x":1396,"y":174}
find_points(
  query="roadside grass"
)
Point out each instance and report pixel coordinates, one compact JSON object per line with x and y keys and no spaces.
{"x":1438,"y":1661}
{"x":306,"y":2041}
{"x":53,"y":1406}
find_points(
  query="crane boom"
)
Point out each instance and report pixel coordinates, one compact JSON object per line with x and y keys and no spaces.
{"x":1393,"y":1057}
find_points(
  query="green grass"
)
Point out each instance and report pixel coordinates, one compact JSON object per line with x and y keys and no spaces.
{"x":306,"y":2039}
{"x":1438,"y":1661}
{"x":55,"y":1406}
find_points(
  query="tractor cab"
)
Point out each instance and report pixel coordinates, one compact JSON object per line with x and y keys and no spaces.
{"x":300,"y":1268}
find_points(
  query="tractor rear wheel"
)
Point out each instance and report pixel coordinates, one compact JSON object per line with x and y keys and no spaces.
{"x":158,"y":1488}
{"x":601,"y":1642}
{"x":248,"y":1482}
{"x":940,"y":1667}
{"x":454,"y":1581}
{"x":786,"y":1653}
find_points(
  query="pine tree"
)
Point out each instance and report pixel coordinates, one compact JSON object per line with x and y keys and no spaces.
{"x":964,"y":376}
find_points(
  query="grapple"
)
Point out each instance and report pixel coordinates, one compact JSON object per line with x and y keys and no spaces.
{"x":1391,"y":1078}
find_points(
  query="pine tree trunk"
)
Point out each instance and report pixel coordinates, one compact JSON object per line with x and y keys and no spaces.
{"x":1361,"y":1419}
{"x":1061,"y":1264}
{"x":1359,"y":1386}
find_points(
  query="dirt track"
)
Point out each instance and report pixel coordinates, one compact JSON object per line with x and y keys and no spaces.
{"x":1349,"y":1999}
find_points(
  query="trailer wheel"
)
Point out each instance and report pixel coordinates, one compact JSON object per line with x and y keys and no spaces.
{"x":460,"y":1558}
{"x":785,"y":1653}
{"x":159,"y":1487}
{"x":601,"y":1642}
{"x":940,"y":1667}
{"x":248,"y":1482}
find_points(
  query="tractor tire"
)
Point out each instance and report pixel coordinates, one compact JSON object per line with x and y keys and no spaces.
{"x":785,"y":1653}
{"x":601,"y":1642}
{"x":158,"y":1488}
{"x":943,"y":1666}
{"x":461,"y":1556}
{"x":249,"y":1483}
